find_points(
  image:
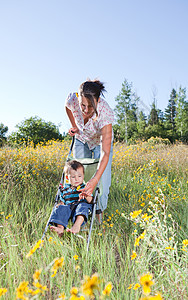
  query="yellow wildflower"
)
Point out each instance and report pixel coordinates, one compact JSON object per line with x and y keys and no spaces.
{"x":146,"y":217}
{"x":134,"y":255}
{"x":77,"y":268}
{"x":137,"y":285}
{"x":75,"y":257}
{"x":9,"y":216}
{"x":185,"y":243}
{"x":142,"y":235}
{"x":137,"y":242}
{"x":22,"y":289}
{"x":184,"y":249}
{"x":58,"y":263}
{"x":90,"y":284}
{"x":74,"y":291}
{"x":36,"y":275}
{"x":38,"y":245}
{"x":146,"y":282}
{"x":2,"y":291}
{"x":130,"y":286}
{"x":156,"y":297}
{"x":169,"y":248}
{"x":107,"y":289}
{"x":62,"y":296}
{"x":39,"y":286}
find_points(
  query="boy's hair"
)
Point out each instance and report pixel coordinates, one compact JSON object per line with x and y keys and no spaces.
{"x":73,"y":164}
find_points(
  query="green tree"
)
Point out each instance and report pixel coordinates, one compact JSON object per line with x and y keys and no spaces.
{"x":125,"y":112}
{"x":155,"y":127}
{"x":169,"y":116}
{"x":181,"y":119}
{"x":3,"y":131}
{"x":141,"y":125}
{"x":153,"y":116}
{"x":36,"y":130}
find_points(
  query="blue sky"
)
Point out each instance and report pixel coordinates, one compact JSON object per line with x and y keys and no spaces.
{"x":49,"y":47}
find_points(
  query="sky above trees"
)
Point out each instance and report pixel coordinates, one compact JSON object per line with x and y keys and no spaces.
{"x":48,"y":48}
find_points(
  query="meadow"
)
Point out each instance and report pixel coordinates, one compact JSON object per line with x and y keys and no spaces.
{"x":140,"y":250}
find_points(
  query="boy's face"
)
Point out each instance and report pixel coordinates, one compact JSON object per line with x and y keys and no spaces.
{"x":76,"y":177}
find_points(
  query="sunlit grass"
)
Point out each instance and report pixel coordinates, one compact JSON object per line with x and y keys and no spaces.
{"x":144,"y":229}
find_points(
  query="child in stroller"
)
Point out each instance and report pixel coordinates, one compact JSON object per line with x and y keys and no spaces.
{"x":71,"y":205}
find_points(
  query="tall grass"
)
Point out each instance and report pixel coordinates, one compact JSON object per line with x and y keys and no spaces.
{"x":144,"y":229}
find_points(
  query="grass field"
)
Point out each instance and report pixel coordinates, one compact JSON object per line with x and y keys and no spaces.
{"x":140,"y":251}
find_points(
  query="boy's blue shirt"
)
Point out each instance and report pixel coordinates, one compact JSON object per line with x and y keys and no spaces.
{"x":69,"y":195}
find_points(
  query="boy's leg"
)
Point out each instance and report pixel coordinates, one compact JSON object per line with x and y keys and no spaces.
{"x":77,"y":225}
{"x":80,"y":215}
{"x":60,"y":216}
{"x":59,"y":229}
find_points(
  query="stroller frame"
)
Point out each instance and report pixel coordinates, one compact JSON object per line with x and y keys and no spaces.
{"x":95,"y":198}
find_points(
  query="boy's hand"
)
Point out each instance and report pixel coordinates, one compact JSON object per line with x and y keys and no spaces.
{"x":60,"y":203}
{"x":89,"y":188}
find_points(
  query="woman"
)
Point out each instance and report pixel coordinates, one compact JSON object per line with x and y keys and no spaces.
{"x":91,"y":118}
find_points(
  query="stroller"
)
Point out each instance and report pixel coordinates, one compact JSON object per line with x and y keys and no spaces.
{"x":90,"y":167}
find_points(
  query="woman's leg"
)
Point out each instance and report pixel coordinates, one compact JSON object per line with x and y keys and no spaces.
{"x":106,"y":183}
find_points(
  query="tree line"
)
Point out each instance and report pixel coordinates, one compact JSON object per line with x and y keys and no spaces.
{"x":131,"y":123}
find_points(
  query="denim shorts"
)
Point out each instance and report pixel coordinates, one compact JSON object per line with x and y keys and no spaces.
{"x":82,"y":150}
{"x":63,"y":213}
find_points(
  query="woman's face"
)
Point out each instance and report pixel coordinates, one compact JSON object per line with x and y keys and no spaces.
{"x":86,"y":107}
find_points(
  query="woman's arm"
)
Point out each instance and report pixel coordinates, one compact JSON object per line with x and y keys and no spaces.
{"x":74,"y":128}
{"x":106,"y":134}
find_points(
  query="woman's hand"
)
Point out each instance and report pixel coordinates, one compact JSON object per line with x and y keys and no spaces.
{"x":89,"y":188}
{"x":72,"y":131}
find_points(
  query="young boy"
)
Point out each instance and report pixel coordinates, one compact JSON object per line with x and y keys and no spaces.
{"x":71,"y":204}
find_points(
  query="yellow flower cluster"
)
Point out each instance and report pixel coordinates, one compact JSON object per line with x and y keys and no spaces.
{"x":36,"y":283}
{"x":146,"y":283}
{"x":141,"y":237}
{"x":135,"y":213}
{"x":88,"y":289}
{"x":185,"y":244}
{"x":23,"y":290}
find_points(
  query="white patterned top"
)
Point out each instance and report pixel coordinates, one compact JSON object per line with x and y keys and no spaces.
{"x":91,"y":131}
